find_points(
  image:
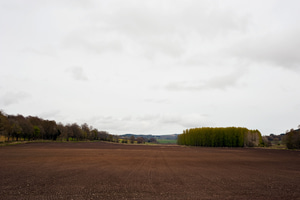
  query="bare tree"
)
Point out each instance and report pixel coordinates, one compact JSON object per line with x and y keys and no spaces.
{"x":132,"y":139}
{"x":140,"y":140}
{"x":85,"y":130}
{"x":76,"y":131}
{"x":153,"y":140}
{"x":15,"y":127}
{"x":116,"y":138}
{"x":4,"y":124}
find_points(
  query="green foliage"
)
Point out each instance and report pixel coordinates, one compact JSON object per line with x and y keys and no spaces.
{"x":36,"y":131}
{"x":166,"y":141}
{"x":124,"y":140}
{"x":293,"y":139}
{"x":16,"y":130}
{"x":220,"y":137}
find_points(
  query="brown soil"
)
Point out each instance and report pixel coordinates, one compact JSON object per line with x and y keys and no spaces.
{"x":99,"y":170}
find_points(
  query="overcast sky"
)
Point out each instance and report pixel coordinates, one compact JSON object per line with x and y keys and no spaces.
{"x":152,"y":67}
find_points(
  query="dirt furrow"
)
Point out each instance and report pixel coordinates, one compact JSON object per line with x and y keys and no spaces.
{"x":115,"y":171}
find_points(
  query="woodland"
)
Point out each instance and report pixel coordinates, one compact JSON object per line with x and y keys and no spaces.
{"x":18,"y":127}
{"x":32,"y":128}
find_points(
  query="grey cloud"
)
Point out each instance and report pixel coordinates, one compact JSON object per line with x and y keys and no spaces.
{"x":204,"y":18}
{"x":197,"y":60}
{"x":211,"y":22}
{"x":77,"y":73}
{"x":186,"y":121}
{"x":78,"y":3}
{"x":218,"y":82}
{"x":193,"y":122}
{"x":119,"y":125}
{"x":205,"y":59}
{"x":148,"y":117}
{"x":43,"y":51}
{"x":279,"y":49}
{"x":168,"y":119}
{"x":146,"y":123}
{"x":10,"y":98}
{"x":79,"y":42}
{"x":50,"y":114}
{"x":157,"y":101}
{"x":167,"y":29}
{"x":163,"y":46}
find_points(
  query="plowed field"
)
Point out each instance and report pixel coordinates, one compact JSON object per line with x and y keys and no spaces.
{"x":99,"y":170}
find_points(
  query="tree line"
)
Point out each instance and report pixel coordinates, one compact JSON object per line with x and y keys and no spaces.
{"x":292,"y":139}
{"x":129,"y":138}
{"x":16,"y":127}
{"x":220,"y":137}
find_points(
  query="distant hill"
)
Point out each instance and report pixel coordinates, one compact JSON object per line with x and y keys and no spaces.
{"x":167,"y":137}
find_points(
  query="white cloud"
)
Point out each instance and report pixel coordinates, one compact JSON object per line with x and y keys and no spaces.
{"x":151,"y":29}
{"x":152,"y":66}
{"x":77,"y":73}
{"x":11,"y":98}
